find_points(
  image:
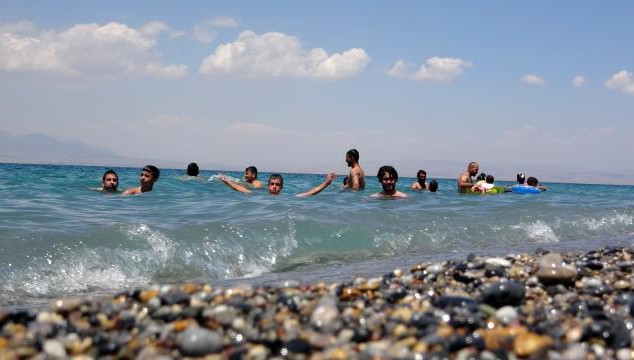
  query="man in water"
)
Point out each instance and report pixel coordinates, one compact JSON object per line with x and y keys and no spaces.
{"x":149,"y":175}
{"x":251,"y":177}
{"x":109,"y":181}
{"x":192,"y":169}
{"x":420,"y":184}
{"x":388,"y":177}
{"x":464,"y":181}
{"x":533,"y":182}
{"x":521,"y":179}
{"x":356,"y":178}
{"x":276,"y":184}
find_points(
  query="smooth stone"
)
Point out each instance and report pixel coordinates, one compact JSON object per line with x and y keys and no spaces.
{"x":591,"y":283}
{"x":295,"y":346}
{"x":453,"y":301}
{"x":498,"y":262}
{"x":503,"y":293}
{"x":54,"y":349}
{"x":66,"y":305}
{"x":507,"y":315}
{"x":197,"y":341}
{"x":528,"y":344}
{"x":553,"y":270}
{"x":258,"y":352}
{"x":325,"y":314}
{"x":435,"y":269}
{"x":175,"y":297}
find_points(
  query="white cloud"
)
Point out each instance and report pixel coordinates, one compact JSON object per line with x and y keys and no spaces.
{"x":578,"y":81}
{"x":106,"y":51}
{"x":435,"y":69}
{"x":621,"y":81}
{"x":205,"y":32}
{"x":21,"y":27}
{"x":275,"y":54}
{"x":533,"y":79}
{"x":224,"y":22}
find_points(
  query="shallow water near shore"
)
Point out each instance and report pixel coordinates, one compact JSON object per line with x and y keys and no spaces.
{"x":60,"y":238}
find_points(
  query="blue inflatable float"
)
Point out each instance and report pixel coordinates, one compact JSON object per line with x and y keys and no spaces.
{"x":524,"y":189}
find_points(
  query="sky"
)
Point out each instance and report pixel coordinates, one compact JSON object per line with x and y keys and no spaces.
{"x":292,"y":85}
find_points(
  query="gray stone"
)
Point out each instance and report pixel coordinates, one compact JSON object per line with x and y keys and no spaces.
{"x":197,"y":341}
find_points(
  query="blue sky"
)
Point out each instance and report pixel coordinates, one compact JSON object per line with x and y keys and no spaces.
{"x":291,"y":86}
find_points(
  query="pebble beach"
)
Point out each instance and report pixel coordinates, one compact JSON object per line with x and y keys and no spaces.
{"x":543,"y":305}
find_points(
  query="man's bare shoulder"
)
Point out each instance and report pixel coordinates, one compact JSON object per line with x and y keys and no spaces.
{"x":132,"y":191}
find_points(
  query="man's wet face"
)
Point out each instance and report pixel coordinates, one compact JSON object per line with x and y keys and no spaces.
{"x":388,"y":182}
{"x":249,"y":176}
{"x":422,"y":178}
{"x":110,"y":183}
{"x":147,"y":179}
{"x":473,"y":170}
{"x":275,"y":186}
{"x":349,"y":159}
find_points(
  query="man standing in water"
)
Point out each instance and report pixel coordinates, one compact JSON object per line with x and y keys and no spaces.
{"x":109,"y":181}
{"x":420,"y":183}
{"x":276,"y":183}
{"x":388,"y":177}
{"x":356,"y":178}
{"x":464,"y":181}
{"x":149,"y":175}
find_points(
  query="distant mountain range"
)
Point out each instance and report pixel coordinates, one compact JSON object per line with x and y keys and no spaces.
{"x":45,"y":149}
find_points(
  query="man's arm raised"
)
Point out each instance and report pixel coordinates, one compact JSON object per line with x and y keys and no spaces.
{"x":319,"y":188}
{"x":233,"y":185}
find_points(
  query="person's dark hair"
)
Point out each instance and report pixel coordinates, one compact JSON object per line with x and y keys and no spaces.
{"x":252,"y":169}
{"x":192,"y":169}
{"x":490,"y":179}
{"x":521,"y":178}
{"x":532,"y":181}
{"x":154,"y":170}
{"x":110,"y":171}
{"x":433,"y":186}
{"x":354,"y":153}
{"x":345,"y":181}
{"x":387,"y":169}
{"x":276,"y":176}
{"x":421,"y":172}
{"x":482,"y":176}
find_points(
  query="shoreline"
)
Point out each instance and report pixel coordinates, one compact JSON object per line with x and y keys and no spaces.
{"x":545,"y":304}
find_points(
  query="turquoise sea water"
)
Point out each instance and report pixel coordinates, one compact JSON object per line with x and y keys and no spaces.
{"x":60,"y":238}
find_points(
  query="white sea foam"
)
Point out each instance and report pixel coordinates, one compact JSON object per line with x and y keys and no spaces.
{"x":540,"y":232}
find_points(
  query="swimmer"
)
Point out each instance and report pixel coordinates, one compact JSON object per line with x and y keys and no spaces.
{"x":149,"y":175}
{"x":420,"y":184}
{"x":276,"y":184}
{"x":484,"y":183}
{"x":251,"y":177}
{"x":464,"y":181}
{"x":521,"y":179}
{"x":533,"y":182}
{"x":433,"y":186}
{"x":346,"y":184}
{"x":388,"y":177}
{"x":192,"y":169}
{"x":109,"y":181}
{"x":356,"y":178}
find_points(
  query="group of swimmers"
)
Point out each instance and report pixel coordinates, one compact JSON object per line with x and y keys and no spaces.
{"x":355,"y":181}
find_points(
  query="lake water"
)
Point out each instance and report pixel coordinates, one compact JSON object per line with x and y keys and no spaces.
{"x":60,"y":238}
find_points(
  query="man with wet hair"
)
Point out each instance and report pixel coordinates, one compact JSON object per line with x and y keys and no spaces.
{"x":149,"y":175}
{"x":251,"y":177}
{"x":109,"y":181}
{"x":192,"y":169}
{"x":464,"y":180}
{"x":521,"y":178}
{"x":420,"y":183}
{"x":533,"y":182}
{"x":388,"y":177}
{"x":356,"y":178}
